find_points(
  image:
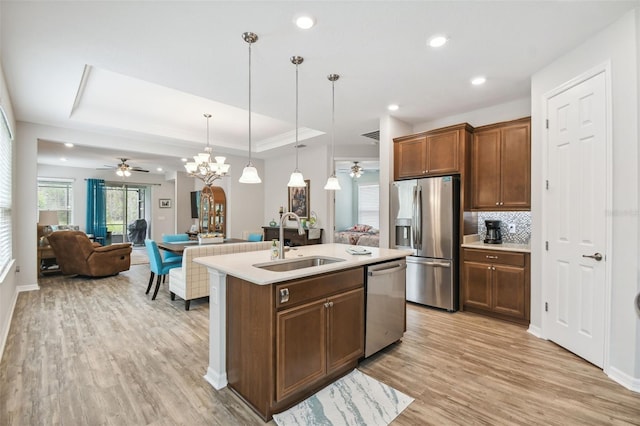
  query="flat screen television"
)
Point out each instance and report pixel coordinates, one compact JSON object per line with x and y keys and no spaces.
{"x":195,"y":204}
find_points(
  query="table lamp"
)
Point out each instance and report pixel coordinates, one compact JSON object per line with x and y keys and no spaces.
{"x":46,"y":219}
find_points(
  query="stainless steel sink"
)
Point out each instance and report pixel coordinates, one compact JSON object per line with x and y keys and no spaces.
{"x":293,"y":264}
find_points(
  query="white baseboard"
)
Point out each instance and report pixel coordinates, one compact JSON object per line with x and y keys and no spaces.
{"x":7,"y":324}
{"x":536,"y":331}
{"x":31,"y":287}
{"x":629,"y":382}
{"x":218,"y":381}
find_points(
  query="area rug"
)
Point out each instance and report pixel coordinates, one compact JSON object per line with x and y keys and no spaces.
{"x":355,"y":399}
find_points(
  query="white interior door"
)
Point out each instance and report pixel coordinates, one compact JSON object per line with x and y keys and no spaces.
{"x":575,"y":218}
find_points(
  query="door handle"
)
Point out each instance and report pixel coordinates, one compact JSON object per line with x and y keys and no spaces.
{"x":596,"y":256}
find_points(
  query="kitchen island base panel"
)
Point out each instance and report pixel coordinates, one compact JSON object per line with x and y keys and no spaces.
{"x":216,"y":374}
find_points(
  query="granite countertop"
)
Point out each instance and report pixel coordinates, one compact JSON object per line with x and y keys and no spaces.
{"x":473,"y":241}
{"x":240,"y":265}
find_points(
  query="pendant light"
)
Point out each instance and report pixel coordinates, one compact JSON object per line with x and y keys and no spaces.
{"x":332,"y":182}
{"x":296,"y":180}
{"x":249,"y":173}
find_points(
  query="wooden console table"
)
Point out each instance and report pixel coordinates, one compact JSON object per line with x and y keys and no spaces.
{"x":291,"y":236}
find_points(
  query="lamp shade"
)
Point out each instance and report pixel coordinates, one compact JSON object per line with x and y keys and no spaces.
{"x":296,"y":180}
{"x":48,"y":217}
{"x":250,"y":175}
{"x":332,"y":184}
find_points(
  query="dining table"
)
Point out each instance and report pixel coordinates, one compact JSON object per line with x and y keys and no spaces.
{"x":179,"y":246}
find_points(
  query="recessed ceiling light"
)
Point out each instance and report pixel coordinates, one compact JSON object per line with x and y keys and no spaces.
{"x":438,"y":41}
{"x":63,"y":159}
{"x":477,"y":81}
{"x":68,"y":144}
{"x":159,"y":169}
{"x":393,"y":107}
{"x":184,"y":160}
{"x":305,"y":21}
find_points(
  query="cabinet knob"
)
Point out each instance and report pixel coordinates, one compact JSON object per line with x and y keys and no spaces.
{"x":328,"y":304}
{"x":493,"y":268}
{"x":489,"y":267}
{"x":497,"y":203}
{"x":501,"y":203}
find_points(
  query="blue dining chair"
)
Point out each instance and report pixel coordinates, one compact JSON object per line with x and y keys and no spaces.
{"x":157,"y":265}
{"x":172,"y":238}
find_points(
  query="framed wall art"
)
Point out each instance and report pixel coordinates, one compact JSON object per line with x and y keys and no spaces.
{"x":299,"y":200}
{"x":165,"y":203}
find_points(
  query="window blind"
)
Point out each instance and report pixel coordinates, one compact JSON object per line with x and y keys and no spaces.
{"x":369,"y":205}
{"x":6,"y":252}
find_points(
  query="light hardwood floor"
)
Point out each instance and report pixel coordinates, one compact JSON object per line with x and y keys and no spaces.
{"x":100,"y":352}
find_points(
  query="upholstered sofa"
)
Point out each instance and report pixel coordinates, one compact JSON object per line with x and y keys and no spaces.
{"x":77,"y":254}
{"x":191,"y":281}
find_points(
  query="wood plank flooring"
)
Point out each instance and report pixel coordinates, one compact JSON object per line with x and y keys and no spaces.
{"x":100,"y":352}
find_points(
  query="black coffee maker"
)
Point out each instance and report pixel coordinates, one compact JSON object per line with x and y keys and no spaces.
{"x":494,"y":236}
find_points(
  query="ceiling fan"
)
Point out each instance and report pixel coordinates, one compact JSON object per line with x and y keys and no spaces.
{"x":123,"y":169}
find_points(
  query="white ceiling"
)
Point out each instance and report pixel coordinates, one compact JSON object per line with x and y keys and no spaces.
{"x":147,"y":71}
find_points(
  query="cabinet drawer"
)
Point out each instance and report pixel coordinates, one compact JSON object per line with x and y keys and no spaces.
{"x":495,"y":256}
{"x":299,"y":291}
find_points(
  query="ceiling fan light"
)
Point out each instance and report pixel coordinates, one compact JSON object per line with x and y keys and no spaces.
{"x":250,"y":175}
{"x":119,"y":172}
{"x":332,"y":184}
{"x":296,"y":180}
{"x":127,"y":173}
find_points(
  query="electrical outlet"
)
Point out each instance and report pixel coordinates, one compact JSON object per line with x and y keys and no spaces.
{"x":512,"y":228}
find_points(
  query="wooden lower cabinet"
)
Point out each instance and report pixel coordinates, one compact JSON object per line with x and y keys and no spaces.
{"x":286,"y":341}
{"x":496,"y":283}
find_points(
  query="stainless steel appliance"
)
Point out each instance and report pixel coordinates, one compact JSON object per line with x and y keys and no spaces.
{"x":385,"y":305}
{"x":425,"y":218}
{"x":494,"y":235}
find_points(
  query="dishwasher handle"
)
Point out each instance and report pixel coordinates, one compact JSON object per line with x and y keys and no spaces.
{"x":390,"y":270}
{"x":437,"y":264}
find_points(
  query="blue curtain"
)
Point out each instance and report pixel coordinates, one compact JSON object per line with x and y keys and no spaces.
{"x":97,"y":209}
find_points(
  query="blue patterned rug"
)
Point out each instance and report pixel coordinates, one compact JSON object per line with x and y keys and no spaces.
{"x":355,"y":399}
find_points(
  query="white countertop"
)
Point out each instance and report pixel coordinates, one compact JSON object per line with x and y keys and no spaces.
{"x":240,"y":265}
{"x":523,"y":248}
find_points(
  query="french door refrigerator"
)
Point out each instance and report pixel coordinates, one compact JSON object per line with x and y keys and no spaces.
{"x":425,"y":218}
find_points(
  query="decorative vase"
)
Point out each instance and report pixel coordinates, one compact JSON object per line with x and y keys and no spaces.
{"x":273,"y":223}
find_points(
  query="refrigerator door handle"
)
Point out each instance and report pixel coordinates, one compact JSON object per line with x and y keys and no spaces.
{"x":418,"y":210}
{"x":414,"y":224}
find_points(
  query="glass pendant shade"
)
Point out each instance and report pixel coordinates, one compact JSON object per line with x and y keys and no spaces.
{"x":296,"y":180}
{"x":250,"y":175}
{"x":332,"y":184}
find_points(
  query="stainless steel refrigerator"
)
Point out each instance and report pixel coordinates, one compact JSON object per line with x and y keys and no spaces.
{"x":425,"y":218}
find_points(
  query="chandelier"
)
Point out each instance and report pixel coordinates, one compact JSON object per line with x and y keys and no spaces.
{"x":203,"y":168}
{"x":356,"y":170}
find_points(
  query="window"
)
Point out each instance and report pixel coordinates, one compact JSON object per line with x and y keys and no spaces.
{"x":369,"y":205}
{"x":56,"y":194}
{"x":6,"y":251}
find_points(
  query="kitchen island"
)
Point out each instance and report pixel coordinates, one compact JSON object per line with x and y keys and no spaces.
{"x":276,"y":337}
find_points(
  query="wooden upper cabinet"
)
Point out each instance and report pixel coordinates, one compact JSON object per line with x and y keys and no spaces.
{"x":434,"y":153}
{"x":501,"y":166}
{"x":410,"y":157}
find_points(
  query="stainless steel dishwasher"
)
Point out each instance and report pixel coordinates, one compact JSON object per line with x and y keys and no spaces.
{"x":386,"y":305}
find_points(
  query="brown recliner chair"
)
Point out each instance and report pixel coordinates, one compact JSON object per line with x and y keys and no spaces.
{"x":76,"y":254}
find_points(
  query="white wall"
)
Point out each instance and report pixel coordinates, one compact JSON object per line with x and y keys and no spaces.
{"x":313,"y":162}
{"x":618,"y":44}
{"x":494,"y":114}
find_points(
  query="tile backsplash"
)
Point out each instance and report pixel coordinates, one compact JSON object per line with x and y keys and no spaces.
{"x":522,"y":220}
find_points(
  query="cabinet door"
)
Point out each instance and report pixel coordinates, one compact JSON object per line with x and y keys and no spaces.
{"x":345,"y":336}
{"x":485,"y":165}
{"x":477,"y":285}
{"x":301,"y":347}
{"x":516,"y":167}
{"x":410,"y":157}
{"x":443,"y":153}
{"x":509,"y":291}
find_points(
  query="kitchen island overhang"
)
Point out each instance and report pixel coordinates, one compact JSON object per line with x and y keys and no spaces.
{"x":241,"y":266}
